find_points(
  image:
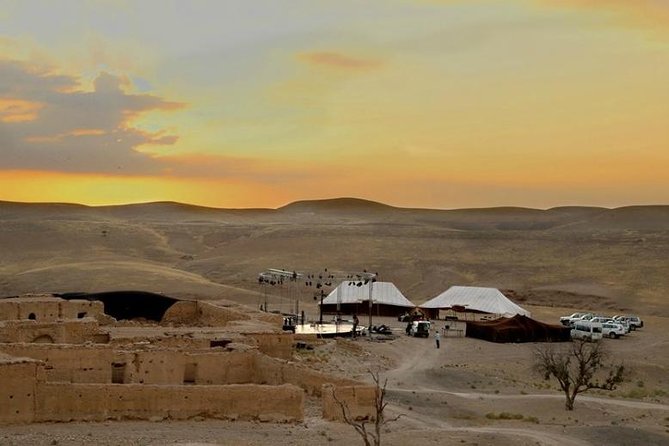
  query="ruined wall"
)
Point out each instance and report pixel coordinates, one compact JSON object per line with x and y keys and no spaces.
{"x":159,"y":367}
{"x":67,"y":363}
{"x":76,"y":331}
{"x":182,"y":342}
{"x":97,"y":402}
{"x":49,"y":309}
{"x":222,"y":368}
{"x":79,"y":309}
{"x":9,"y":309}
{"x":17,"y":392}
{"x":182,"y":312}
{"x":359,"y":401}
{"x":202,"y":314}
{"x":148,"y":367}
{"x":277,"y":345}
{"x":274,"y":371}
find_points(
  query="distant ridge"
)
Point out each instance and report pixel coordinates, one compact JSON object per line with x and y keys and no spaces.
{"x":357,"y":210}
{"x":336,"y":204}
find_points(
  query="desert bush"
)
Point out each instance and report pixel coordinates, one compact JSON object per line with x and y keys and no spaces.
{"x":510,"y":416}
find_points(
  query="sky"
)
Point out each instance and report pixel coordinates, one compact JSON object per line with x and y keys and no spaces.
{"x":415,"y":103}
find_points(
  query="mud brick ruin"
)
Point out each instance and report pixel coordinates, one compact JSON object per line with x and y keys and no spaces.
{"x":149,"y":357}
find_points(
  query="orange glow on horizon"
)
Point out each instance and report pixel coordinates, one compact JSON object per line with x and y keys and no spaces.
{"x":100,"y":190}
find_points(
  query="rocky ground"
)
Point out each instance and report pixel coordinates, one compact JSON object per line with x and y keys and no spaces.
{"x":468,"y":392}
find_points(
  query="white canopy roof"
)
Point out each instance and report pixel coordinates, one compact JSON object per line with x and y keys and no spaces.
{"x":385,"y":293}
{"x":488,"y":300}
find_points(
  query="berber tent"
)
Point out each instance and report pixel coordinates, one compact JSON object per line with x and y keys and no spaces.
{"x":353,"y":298}
{"x":475,"y":299}
{"x":517,"y":329}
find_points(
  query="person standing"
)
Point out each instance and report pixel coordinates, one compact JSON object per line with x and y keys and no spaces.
{"x":437,"y":336}
{"x":355,"y":325}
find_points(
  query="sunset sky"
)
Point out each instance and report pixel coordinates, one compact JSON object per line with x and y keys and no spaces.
{"x":420,"y":103}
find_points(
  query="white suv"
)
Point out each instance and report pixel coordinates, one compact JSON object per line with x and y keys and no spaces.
{"x":570,"y":320}
{"x":612,"y":330}
{"x":633,"y":321}
{"x":567,"y":320}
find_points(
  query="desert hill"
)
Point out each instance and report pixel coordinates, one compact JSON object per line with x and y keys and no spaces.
{"x":585,"y":257}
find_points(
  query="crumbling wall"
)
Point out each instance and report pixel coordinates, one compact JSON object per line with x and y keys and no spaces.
{"x":275,"y":371}
{"x":9,"y":309}
{"x":358,"y":401}
{"x":202,"y":314}
{"x":222,"y":368}
{"x":17,"y":392}
{"x":182,"y":312}
{"x":147,"y":367}
{"x":39,"y":309}
{"x":159,"y":367}
{"x":180,"y":341}
{"x":277,"y":345}
{"x":98,"y":402}
{"x":49,"y":309}
{"x":76,"y":331}
{"x":79,"y":309}
{"x":68,"y":363}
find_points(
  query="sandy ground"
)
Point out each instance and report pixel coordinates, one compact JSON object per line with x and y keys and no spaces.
{"x":565,"y":260}
{"x":453,"y":395}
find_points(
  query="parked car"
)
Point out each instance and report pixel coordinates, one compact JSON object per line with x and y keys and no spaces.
{"x":419,"y":329}
{"x":612,"y":330}
{"x":633,"y":320}
{"x":577,"y":317}
{"x":566,"y":320}
{"x":605,"y":319}
{"x":624,"y":323}
{"x":590,"y":331}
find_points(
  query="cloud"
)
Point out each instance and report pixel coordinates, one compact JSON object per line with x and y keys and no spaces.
{"x":49,"y":122}
{"x":338,"y":60}
{"x":18,"y":110}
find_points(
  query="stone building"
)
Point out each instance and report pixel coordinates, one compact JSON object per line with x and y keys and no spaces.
{"x":66,"y":360}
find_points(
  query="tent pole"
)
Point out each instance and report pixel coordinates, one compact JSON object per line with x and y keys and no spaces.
{"x":371,"y":285}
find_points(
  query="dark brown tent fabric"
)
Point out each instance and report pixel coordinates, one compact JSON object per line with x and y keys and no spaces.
{"x":517,"y":329}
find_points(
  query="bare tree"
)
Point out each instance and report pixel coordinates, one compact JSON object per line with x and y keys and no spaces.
{"x":369,"y":436}
{"x":578,"y":367}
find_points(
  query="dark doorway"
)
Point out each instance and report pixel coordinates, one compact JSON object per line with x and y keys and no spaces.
{"x":190,"y":373}
{"x":129,"y":304}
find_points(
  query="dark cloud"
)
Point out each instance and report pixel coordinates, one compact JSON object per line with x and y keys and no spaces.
{"x":47,"y":122}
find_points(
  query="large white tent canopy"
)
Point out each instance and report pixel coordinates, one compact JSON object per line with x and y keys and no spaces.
{"x":383,"y":293}
{"x":487,"y":300}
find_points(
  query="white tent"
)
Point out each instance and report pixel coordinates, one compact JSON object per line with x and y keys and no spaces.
{"x":487,"y":300}
{"x":383,"y":293}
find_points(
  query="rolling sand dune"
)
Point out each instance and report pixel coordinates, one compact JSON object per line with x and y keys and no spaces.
{"x":554,"y":262}
{"x":615,"y":258}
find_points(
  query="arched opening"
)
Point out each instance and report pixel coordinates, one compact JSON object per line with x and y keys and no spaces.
{"x":43,"y":339}
{"x":125,"y":305}
{"x":32,"y":316}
